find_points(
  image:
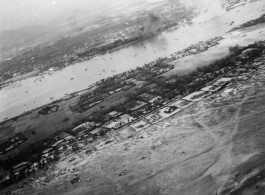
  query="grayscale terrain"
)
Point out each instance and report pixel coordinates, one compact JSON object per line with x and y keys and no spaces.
{"x":132,"y":97}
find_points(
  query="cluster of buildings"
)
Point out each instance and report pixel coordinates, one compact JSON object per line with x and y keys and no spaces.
{"x":141,"y":113}
{"x":62,"y":145}
{"x":12,"y":142}
{"x":120,"y":82}
{"x":196,"y":48}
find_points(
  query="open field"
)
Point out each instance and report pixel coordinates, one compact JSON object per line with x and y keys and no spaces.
{"x":113,"y":99}
{"x":39,"y":125}
{"x":212,"y":146}
{"x":203,"y":149}
{"x":46,"y":125}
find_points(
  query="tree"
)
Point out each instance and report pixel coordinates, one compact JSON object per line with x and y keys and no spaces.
{"x":101,"y":133}
{"x":11,"y":174}
{"x":234,"y":49}
{"x":22,"y":174}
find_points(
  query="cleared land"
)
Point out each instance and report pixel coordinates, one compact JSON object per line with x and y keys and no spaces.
{"x":39,"y":125}
{"x":214,"y":146}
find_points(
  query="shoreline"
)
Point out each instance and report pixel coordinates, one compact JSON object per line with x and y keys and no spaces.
{"x":71,"y":95}
{"x":168,"y":30}
{"x":74,"y":93}
{"x":21,"y":77}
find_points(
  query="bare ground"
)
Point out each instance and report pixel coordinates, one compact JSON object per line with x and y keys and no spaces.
{"x":202,"y":150}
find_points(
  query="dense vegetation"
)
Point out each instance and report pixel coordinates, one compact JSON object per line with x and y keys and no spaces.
{"x":250,"y":23}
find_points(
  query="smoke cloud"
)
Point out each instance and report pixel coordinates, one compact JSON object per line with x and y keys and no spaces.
{"x":73,"y":25}
{"x":150,"y":28}
{"x":152,"y":25}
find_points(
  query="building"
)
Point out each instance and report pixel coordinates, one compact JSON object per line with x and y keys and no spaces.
{"x":84,"y":126}
{"x":156,"y":99}
{"x":249,"y":53}
{"x":112,"y":114}
{"x":170,"y":109}
{"x":99,"y":131}
{"x":95,"y":132}
{"x":47,"y":150}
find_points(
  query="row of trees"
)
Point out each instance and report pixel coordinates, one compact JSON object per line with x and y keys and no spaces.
{"x":103,"y":49}
{"x":254,"y":22}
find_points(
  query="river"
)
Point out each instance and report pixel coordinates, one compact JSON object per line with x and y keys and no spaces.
{"x":30,"y":94}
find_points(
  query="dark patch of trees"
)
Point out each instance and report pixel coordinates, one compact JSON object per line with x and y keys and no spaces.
{"x":250,"y":23}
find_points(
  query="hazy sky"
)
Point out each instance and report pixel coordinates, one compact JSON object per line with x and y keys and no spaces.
{"x":17,"y":13}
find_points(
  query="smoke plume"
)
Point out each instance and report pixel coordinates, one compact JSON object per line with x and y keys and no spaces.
{"x":150,"y":28}
{"x":152,"y":25}
{"x":72,"y":23}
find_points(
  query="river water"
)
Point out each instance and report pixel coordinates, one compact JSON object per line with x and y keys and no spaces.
{"x":30,"y":94}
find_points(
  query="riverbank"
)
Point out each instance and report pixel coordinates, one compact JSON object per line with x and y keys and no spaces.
{"x":188,"y":64}
{"x":60,"y":83}
{"x":203,"y":147}
{"x":21,"y":77}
